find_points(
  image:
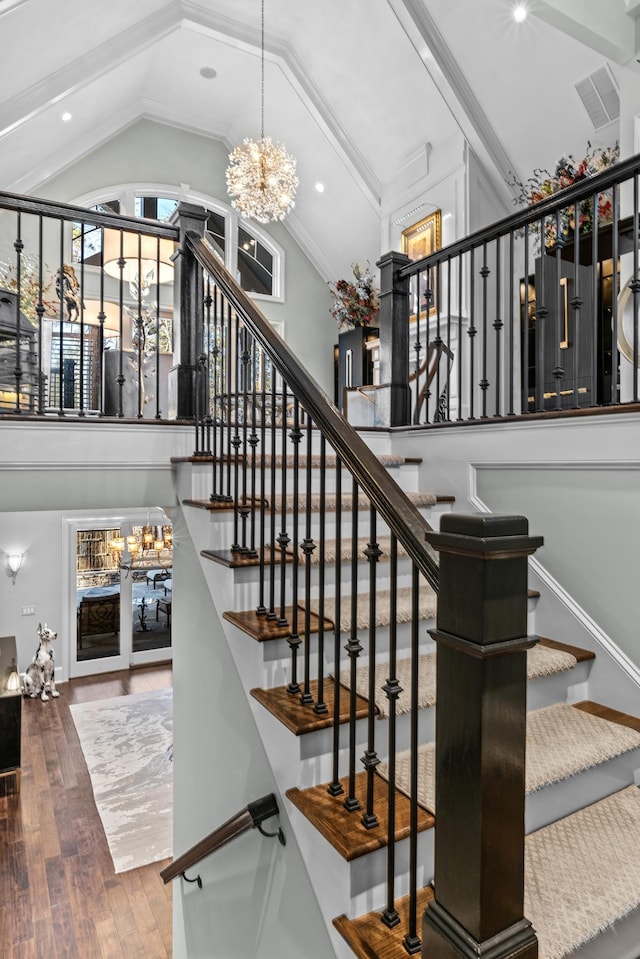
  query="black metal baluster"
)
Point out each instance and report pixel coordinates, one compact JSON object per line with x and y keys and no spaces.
{"x":40,"y":314}
{"x":615,"y":355}
{"x":558,"y":371}
{"x":18,"y":247}
{"x":417,"y":347}
{"x":471,"y":332}
{"x":595,"y":321}
{"x":411,"y":941}
{"x":308,"y":547}
{"x":353,"y":648}
{"x":498,"y":325}
{"x":244,"y":501}
{"x":141,"y":330}
{"x":438,"y":345}
{"x":541,"y":317}
{"x":512,"y":330}
{"x":294,"y":638}
{"x":459,"y":351}
{"x":81,"y":411}
{"x":230,"y":352}
{"x":448,"y":383}
{"x":525,"y":385}
{"x":253,"y":445}
{"x":370,"y":759}
{"x":204,"y":352}
{"x":215,"y":352}
{"x":262,"y":609}
{"x":392,"y":689}
{"x":335,"y":786}
{"x":576,"y":303}
{"x":283,"y":537}
{"x":320,"y":706}
{"x":271,"y":612}
{"x":206,"y":448}
{"x":120,"y":377}
{"x":61,"y":322}
{"x":635,"y":288}
{"x":484,"y":382}
{"x":234,"y":457}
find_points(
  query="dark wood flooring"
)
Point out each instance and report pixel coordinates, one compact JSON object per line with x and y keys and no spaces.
{"x":59,"y":895}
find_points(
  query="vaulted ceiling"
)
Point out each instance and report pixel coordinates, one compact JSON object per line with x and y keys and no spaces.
{"x":362,"y":92}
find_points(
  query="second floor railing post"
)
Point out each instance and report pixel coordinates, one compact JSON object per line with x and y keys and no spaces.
{"x":480,"y":740}
{"x":188,"y":316}
{"x":393,"y":400}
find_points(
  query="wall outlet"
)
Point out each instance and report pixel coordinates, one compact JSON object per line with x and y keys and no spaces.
{"x":28,"y":610}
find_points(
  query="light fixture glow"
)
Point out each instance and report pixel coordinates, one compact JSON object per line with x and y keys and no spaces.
{"x":261,"y":176}
{"x":14,"y":565}
{"x":320,"y":187}
{"x":66,"y":117}
{"x":520,"y":13}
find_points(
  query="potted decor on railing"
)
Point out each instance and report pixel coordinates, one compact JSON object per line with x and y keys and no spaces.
{"x":568,"y":171}
{"x":355,"y":308}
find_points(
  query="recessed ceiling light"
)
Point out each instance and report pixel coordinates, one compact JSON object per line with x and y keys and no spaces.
{"x":208,"y":73}
{"x":66,"y":117}
{"x":520,"y":13}
{"x":320,"y":187}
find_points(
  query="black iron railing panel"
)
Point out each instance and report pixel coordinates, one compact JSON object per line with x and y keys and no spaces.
{"x":86,"y":310}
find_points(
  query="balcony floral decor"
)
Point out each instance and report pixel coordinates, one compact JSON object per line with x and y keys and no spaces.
{"x":355,"y":302}
{"x":542,"y":184}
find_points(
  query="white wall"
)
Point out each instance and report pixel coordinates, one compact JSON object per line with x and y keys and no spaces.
{"x":576,"y":480}
{"x":149,"y":152}
{"x":257,"y":901}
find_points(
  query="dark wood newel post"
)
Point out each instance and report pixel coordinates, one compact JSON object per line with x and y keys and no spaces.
{"x":394,"y":399}
{"x":188,"y":314}
{"x":480,"y":740}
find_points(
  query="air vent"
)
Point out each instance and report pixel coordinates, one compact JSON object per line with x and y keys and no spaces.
{"x":599,"y":93}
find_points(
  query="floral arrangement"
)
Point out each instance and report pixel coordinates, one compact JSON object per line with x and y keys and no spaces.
{"x":355,"y":302}
{"x":568,"y":171}
{"x":29,"y":286}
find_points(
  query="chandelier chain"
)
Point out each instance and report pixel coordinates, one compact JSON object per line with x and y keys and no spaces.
{"x":262,"y":77}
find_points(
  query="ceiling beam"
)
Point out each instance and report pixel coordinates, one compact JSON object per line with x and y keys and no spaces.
{"x":448,"y":77}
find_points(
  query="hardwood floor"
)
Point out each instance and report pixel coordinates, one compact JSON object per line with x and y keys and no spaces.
{"x":59,"y":895}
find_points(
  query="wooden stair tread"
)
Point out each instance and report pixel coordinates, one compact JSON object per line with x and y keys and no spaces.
{"x":582,"y":655}
{"x":606,"y":712}
{"x":301,"y":719}
{"x":262,"y":629}
{"x":216,"y":505}
{"x":344,"y":829}
{"x":234,"y":559}
{"x":368,"y":936}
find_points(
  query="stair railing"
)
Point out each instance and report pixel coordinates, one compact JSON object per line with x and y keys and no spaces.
{"x":266,"y":424}
{"x":539,"y":312}
{"x":252,"y":816}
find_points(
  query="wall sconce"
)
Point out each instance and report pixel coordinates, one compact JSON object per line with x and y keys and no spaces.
{"x":14,"y":565}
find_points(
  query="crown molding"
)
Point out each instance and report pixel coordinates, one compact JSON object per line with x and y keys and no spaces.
{"x":8,"y":6}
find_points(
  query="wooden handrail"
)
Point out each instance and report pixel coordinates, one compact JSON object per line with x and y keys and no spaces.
{"x":251,"y":817}
{"x":403,"y":519}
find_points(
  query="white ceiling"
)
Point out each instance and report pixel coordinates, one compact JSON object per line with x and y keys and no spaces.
{"x":355,"y":88}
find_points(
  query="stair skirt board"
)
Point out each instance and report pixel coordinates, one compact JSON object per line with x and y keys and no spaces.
{"x":562,"y":741}
{"x":541,"y":661}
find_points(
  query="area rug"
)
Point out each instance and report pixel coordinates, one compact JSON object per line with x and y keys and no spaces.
{"x":582,"y":873}
{"x":127,"y":745}
{"x":562,"y":741}
{"x":541,"y":661}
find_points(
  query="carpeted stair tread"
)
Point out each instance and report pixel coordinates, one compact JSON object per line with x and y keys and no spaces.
{"x":582,"y":873}
{"x":426,"y":607}
{"x":562,"y":741}
{"x":542,"y":660}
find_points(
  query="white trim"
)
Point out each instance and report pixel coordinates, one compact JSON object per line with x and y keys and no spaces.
{"x":557,"y":465}
{"x":102,"y":465}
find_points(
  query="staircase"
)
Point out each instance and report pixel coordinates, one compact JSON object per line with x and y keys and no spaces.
{"x":583,"y":757}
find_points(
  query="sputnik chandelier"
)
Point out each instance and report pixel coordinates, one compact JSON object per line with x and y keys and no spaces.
{"x":261,"y":176}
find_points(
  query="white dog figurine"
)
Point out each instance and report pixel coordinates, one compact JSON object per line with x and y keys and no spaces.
{"x":40,"y":677}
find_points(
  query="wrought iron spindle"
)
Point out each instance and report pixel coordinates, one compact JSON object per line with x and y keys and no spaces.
{"x":558,"y":371}
{"x":447,"y":408}
{"x":615,"y":355}
{"x":216,"y":451}
{"x":229,"y":356}
{"x":392,"y":690}
{"x":498,"y":325}
{"x":308,"y":547}
{"x":254,"y":441}
{"x":271,"y":611}
{"x":541,"y":318}
{"x":353,"y":648}
{"x":512,"y":327}
{"x":525,"y":325}
{"x":370,"y":759}
{"x":63,"y":377}
{"x":262,"y":609}
{"x":244,"y":508}
{"x":459,"y":344}
{"x":320,"y":707}
{"x":40,"y":314}
{"x":283,"y":537}
{"x":471,"y":332}
{"x":120,"y":377}
{"x":294,"y":637}
{"x":411,"y":941}
{"x":485,"y":272}
{"x":335,"y":786}
{"x":235,"y":441}
{"x":18,"y":247}
{"x":635,"y":288}
{"x":576,"y":303}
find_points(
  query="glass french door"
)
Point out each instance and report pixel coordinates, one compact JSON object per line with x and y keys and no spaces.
{"x":122,"y":591}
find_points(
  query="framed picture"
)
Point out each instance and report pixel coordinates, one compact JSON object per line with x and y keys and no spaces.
{"x":418,"y":241}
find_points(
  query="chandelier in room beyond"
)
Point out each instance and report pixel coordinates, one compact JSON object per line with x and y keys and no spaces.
{"x":261,"y":176}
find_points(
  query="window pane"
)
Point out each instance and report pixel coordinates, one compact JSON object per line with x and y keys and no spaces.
{"x":255,"y":265}
{"x":87,"y":239}
{"x":216,"y":229}
{"x":155,"y":207}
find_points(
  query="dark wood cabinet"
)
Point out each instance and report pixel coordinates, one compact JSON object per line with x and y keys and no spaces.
{"x":10,"y":712}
